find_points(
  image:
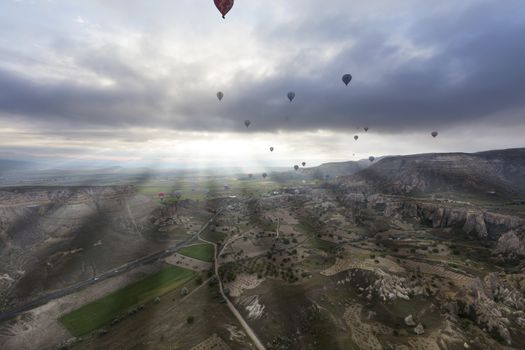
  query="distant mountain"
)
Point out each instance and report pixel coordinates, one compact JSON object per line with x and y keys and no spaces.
{"x":332,"y":170}
{"x":10,"y":166}
{"x":497,"y":172}
{"x":335,"y":169}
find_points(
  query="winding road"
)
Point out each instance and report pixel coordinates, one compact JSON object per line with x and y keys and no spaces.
{"x":255,"y":340}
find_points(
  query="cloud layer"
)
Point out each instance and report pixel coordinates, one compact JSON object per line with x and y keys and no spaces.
{"x":104,"y":69}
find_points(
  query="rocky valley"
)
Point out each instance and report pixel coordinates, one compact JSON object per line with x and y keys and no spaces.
{"x":398,"y":254}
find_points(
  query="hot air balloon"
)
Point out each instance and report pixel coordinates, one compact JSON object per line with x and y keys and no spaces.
{"x":264,"y":175}
{"x":271,"y":149}
{"x":224,"y":6}
{"x":247,"y":123}
{"x":371,"y":158}
{"x":220,"y":95}
{"x":356,"y":137}
{"x":303,"y":163}
{"x":347,"y":78}
{"x":161,"y":195}
{"x":434,"y":133}
{"x":291,"y":95}
{"x":366,"y":128}
{"x":296,"y":167}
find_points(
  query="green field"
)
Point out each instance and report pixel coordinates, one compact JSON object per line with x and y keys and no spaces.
{"x":202,"y":252}
{"x":98,"y":313}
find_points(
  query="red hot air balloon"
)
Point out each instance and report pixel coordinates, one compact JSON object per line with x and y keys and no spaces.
{"x":224,"y":6}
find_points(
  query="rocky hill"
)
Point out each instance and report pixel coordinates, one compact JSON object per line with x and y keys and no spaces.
{"x":323,"y":171}
{"x":495,"y":172}
{"x":335,"y":169}
{"x":55,"y":236}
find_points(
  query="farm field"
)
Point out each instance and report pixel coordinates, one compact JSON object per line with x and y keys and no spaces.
{"x":98,"y":313}
{"x":202,"y":252}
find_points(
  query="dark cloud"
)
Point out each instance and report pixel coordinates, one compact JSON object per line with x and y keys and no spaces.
{"x":457,"y":66}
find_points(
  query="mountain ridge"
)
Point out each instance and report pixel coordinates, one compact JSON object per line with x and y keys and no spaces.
{"x":495,"y":171}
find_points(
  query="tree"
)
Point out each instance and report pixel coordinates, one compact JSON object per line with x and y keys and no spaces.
{"x":190,"y":319}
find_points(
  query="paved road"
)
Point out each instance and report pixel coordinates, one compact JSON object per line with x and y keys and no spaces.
{"x":108,"y":274}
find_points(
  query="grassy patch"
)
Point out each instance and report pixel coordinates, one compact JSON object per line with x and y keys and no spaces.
{"x":202,"y":252}
{"x":97,"y":313}
{"x":214,"y":236}
{"x":308,"y":228}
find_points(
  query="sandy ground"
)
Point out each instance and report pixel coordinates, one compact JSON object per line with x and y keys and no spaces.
{"x":189,"y":263}
{"x":238,"y":335}
{"x":212,"y":343}
{"x":242,"y":282}
{"x":39,"y":328}
{"x":362,"y":333}
{"x":253,"y":306}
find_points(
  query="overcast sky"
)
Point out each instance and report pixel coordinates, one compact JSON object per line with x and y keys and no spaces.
{"x":134,"y":82}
